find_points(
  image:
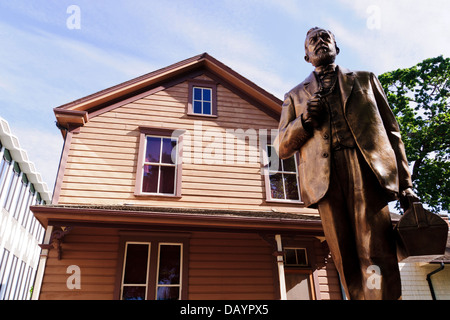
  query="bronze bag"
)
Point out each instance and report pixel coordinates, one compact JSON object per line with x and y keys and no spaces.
{"x":421,"y":234}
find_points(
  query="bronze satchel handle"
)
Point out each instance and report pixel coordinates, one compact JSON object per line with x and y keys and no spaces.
{"x":420,"y":215}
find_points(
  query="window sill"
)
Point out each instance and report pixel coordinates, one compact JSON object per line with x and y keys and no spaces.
{"x":284,"y":201}
{"x":212,"y":116}
{"x":153,"y":195}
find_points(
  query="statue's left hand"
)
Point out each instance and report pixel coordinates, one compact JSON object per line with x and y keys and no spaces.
{"x":408,"y":196}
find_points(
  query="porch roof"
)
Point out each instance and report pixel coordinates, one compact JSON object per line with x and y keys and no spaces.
{"x":163,"y":217}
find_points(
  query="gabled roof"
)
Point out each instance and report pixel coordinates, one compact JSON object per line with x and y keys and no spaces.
{"x":78,"y":112}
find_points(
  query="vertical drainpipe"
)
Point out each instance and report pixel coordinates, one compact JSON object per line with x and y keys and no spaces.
{"x":280,"y":263}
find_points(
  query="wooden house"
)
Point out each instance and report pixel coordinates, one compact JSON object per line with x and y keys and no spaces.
{"x":168,"y":188}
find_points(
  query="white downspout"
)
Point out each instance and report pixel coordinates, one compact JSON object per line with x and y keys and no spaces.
{"x":41,"y":267}
{"x":280,"y":263}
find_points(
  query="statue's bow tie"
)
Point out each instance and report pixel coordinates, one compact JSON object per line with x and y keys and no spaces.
{"x":326,"y":70}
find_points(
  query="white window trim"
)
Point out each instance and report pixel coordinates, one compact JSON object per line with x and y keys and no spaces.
{"x":122,"y":285}
{"x":144,"y":163}
{"x":267,"y":173}
{"x":180,"y":271}
{"x":202,"y":84}
{"x":202,"y":100}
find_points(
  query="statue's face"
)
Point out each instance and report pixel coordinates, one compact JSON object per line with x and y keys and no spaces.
{"x":320,"y":48}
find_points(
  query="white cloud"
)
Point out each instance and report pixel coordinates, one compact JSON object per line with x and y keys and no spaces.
{"x":54,"y":68}
{"x":409,"y":32}
{"x":264,"y":78}
{"x":40,"y":71}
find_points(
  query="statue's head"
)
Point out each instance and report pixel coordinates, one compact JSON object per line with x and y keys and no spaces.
{"x":320,"y":47}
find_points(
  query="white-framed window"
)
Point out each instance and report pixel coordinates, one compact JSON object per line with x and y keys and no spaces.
{"x":201,"y":100}
{"x":169,"y":275}
{"x":282,"y":183}
{"x":160,"y":165}
{"x":153,"y":268}
{"x":135,"y":271}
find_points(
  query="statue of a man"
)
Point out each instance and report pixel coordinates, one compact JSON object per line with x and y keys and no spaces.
{"x":352,"y":162}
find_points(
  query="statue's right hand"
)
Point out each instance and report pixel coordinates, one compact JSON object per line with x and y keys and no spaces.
{"x":314,"y":111}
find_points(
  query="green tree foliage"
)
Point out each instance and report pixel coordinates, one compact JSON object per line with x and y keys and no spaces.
{"x":419,"y":97}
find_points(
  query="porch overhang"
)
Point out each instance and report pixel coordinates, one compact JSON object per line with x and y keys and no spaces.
{"x":174,"y":218}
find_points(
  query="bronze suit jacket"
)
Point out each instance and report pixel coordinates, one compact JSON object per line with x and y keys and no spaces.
{"x":371,"y":122}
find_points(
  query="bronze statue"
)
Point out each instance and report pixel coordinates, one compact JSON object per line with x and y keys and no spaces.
{"x":352,"y":162}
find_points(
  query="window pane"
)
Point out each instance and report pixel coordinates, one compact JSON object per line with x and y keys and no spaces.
{"x":167,"y":180}
{"x":197,"y":107}
{"x":276,"y":186}
{"x":206,"y":108}
{"x":136,"y":264}
{"x":169,"y":148}
{"x":207,"y":95}
{"x":7,"y":155}
{"x":301,"y":257}
{"x":153,"y":149}
{"x":25,"y":179}
{"x":290,"y":182}
{"x":133,"y":293}
{"x":289,"y":165}
{"x":273,"y":156}
{"x":168,"y":293}
{"x":17,"y":168}
{"x":150,"y":179}
{"x":197,"y":94}
{"x":290,"y":256}
{"x":169,"y":264}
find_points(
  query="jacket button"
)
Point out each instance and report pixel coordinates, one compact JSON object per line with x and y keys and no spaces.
{"x":325,"y":155}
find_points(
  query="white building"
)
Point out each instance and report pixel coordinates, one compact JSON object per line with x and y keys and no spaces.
{"x":20,"y":233}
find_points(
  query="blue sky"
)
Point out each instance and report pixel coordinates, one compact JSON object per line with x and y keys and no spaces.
{"x":44,"y":64}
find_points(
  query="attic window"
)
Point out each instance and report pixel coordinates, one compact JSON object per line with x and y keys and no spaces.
{"x":201,"y":101}
{"x":202,"y":98}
